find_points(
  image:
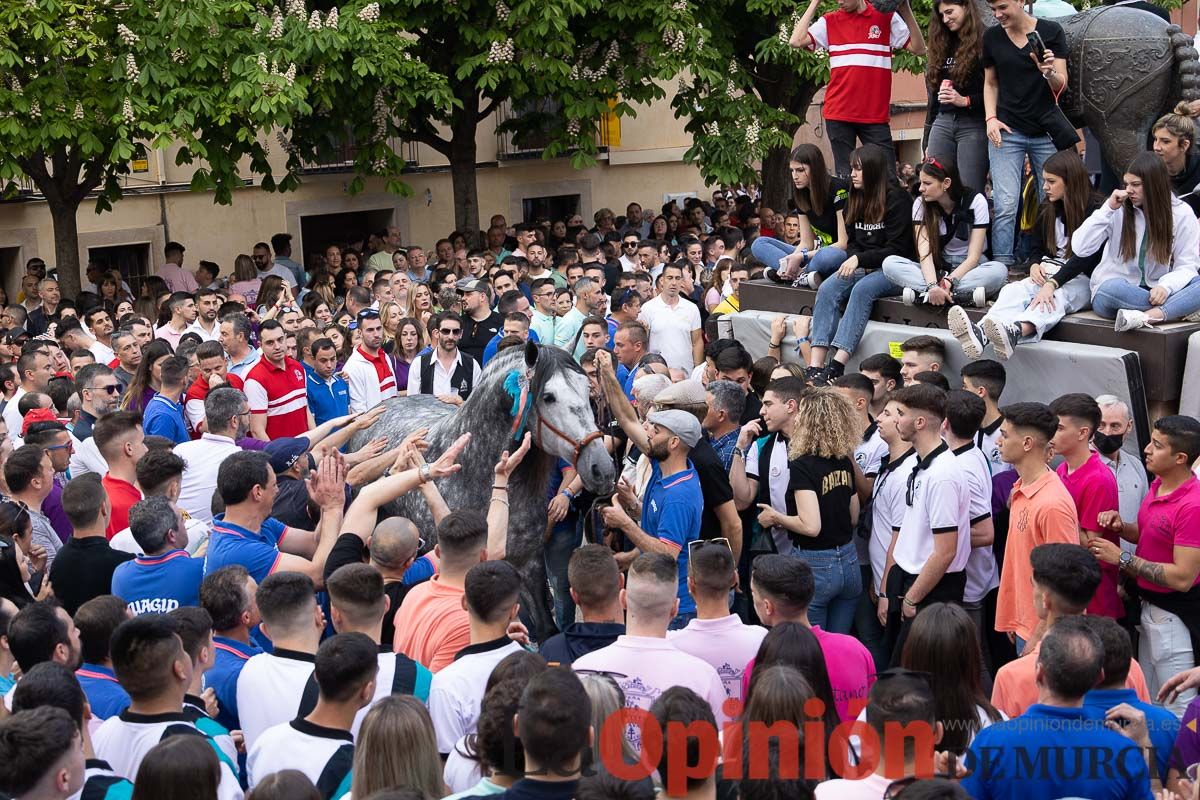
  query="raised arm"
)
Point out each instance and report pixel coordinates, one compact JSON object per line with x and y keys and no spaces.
{"x":916,"y":41}
{"x":618,"y":403}
{"x":497,"y":516}
{"x":800,"y":34}
{"x":326,"y":485}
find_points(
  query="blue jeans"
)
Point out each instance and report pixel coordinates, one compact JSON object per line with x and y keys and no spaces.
{"x":866,"y":624}
{"x":863,"y":289}
{"x":1008,"y":172}
{"x":1019,"y":643}
{"x":824,"y":261}
{"x":964,"y":138}
{"x":991,"y":275}
{"x":1117,"y":293}
{"x":681,"y":620}
{"x":565,"y":537}
{"x":837,"y":585}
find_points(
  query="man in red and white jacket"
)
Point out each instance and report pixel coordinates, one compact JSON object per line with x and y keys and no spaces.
{"x":276,"y":389}
{"x":213,"y":374}
{"x":860,"y":40}
{"x":368,"y":370}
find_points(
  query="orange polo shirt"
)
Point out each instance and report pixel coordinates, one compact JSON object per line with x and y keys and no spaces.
{"x":1039,"y":513}
{"x":431,"y":624}
{"x":1016,"y":689}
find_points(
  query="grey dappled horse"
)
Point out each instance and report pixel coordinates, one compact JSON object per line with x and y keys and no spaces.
{"x":557,"y":413}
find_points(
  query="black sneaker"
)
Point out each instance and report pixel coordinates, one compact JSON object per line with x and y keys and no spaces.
{"x":817,"y":376}
{"x":969,"y":335}
{"x":1004,"y":338}
{"x":971,"y":297}
{"x":772,"y":274}
{"x":835,"y":370}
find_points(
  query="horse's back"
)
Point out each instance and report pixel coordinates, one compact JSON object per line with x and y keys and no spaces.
{"x":402,"y":416}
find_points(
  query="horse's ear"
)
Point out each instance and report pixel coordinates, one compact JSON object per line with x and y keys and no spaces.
{"x":531,"y":354}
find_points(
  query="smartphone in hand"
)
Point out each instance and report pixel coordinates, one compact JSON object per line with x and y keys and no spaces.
{"x":1038,"y":44}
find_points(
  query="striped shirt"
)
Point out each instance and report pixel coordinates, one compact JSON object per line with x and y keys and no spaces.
{"x":281,"y":395}
{"x":860,"y":62}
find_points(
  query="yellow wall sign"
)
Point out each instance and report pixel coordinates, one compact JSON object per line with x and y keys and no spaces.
{"x":140,"y":165}
{"x":610,"y":127}
{"x":894,"y":350}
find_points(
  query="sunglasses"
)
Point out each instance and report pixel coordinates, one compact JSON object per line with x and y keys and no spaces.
{"x":630,"y":244}
{"x":114,"y":389}
{"x":68,"y":446}
{"x":450,"y":331}
{"x":700,"y":544}
{"x":367,"y":313}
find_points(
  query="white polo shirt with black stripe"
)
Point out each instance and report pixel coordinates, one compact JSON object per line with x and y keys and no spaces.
{"x":457,"y":691}
{"x":325,"y":755}
{"x":124,"y":740}
{"x":269,"y":690}
{"x":938,"y":504}
{"x":982,"y":575}
{"x":887,"y":510}
{"x":398,"y":674}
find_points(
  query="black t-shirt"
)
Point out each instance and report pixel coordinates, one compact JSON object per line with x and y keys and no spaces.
{"x":832,"y":480}
{"x":83,"y":569}
{"x":1185,"y":181}
{"x":753,"y":408}
{"x":292,"y":506}
{"x":714,"y":483}
{"x":971,"y":88}
{"x":825,"y":227}
{"x":476,"y":335}
{"x":1024,"y":96}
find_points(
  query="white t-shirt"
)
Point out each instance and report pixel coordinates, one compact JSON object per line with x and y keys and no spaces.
{"x":671,"y":330}
{"x":955,"y":243}
{"x":779,"y":478}
{"x":870,"y":451}
{"x":12,"y":416}
{"x":269,"y":690}
{"x":940,"y":507}
{"x":204,"y":457}
{"x":86,"y":458}
{"x":987,"y":439}
{"x":887,"y":511}
{"x":456,"y":693}
{"x":324,"y":755}
{"x":124,"y":740}
{"x":982,"y":575}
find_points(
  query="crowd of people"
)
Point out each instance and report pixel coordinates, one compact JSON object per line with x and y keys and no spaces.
{"x":815,"y":578}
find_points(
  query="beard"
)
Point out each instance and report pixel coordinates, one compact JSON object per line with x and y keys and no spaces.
{"x":659,"y":452}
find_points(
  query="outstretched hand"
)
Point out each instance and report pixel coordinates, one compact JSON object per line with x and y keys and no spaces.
{"x":447,"y":462}
{"x":508,"y":463}
{"x":327,"y":483}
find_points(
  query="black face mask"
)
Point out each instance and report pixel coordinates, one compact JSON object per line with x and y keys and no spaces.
{"x":1107,"y":443}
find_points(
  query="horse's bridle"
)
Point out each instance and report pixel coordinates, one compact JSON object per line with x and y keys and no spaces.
{"x":524,"y":404}
{"x":578,"y":445}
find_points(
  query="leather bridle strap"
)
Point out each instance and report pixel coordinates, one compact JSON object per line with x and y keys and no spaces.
{"x":578,"y":445}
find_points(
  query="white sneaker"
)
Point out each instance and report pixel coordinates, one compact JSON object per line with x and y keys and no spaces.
{"x":1129,"y":319}
{"x":979,"y":297}
{"x":1004,"y":338}
{"x":1193,"y":317}
{"x":909,"y":296}
{"x":969,"y":335}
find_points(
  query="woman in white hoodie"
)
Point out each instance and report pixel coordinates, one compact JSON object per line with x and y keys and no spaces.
{"x":1148,"y":271}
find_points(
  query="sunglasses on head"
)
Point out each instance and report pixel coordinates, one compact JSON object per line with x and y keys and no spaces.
{"x":367,"y":313}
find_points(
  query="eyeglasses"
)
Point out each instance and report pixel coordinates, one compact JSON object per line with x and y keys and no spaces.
{"x":453,"y":332}
{"x":601,"y":672}
{"x":68,"y":446}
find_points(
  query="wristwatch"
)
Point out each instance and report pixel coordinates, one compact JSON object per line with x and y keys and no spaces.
{"x":1125,"y":560}
{"x":737,"y":451}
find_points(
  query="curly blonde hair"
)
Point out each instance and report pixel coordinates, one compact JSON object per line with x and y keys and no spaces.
{"x":825,"y":426}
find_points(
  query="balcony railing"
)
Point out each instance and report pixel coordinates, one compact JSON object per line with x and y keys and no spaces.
{"x":537,"y":117}
{"x":341,"y":158}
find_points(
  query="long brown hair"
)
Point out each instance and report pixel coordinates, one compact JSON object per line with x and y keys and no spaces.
{"x":397,"y":747}
{"x":811,"y":199}
{"x":1156,"y":208}
{"x":967,"y":44}
{"x":1077,"y":202}
{"x":939,"y":168}
{"x":869,"y":203}
{"x":944,"y":644}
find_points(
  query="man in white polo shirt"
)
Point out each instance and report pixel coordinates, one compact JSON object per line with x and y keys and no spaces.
{"x":271,"y":685}
{"x":492,"y":590}
{"x":674,"y":323}
{"x":643,"y":661}
{"x":227,"y":418}
{"x":929,"y":553}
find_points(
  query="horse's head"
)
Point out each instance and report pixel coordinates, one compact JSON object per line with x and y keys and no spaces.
{"x":560,"y":416}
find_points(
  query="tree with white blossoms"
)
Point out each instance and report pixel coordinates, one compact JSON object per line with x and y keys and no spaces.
{"x":86,"y":80}
{"x":748,"y":91}
{"x":578,"y":53}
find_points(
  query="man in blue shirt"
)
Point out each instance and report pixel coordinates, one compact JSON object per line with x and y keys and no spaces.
{"x":246,"y":534}
{"x":1058,"y":747}
{"x":515,"y":324}
{"x":328,"y":393}
{"x":164,"y":412}
{"x":96,"y":620}
{"x":166,"y":577}
{"x":671,"y":505}
{"x":1161,"y":725}
{"x":228,"y":596}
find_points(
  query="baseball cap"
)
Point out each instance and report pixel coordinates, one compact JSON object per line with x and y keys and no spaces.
{"x":286,"y":452}
{"x":37,"y":415}
{"x":471,"y":285}
{"x":681,"y":423}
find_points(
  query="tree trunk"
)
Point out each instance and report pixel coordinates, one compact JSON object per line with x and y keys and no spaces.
{"x":66,"y":246}
{"x":463,"y":154}
{"x":776,"y":180}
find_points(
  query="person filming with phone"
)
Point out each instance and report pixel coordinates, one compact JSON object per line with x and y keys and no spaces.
{"x":1024,"y":74}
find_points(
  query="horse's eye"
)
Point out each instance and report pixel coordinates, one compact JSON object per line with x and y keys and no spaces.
{"x":548,"y":398}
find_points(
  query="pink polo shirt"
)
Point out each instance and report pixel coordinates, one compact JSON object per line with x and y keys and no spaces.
{"x":851,"y":671}
{"x":727,"y":644}
{"x":1167,"y":521}
{"x":1093,"y":487}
